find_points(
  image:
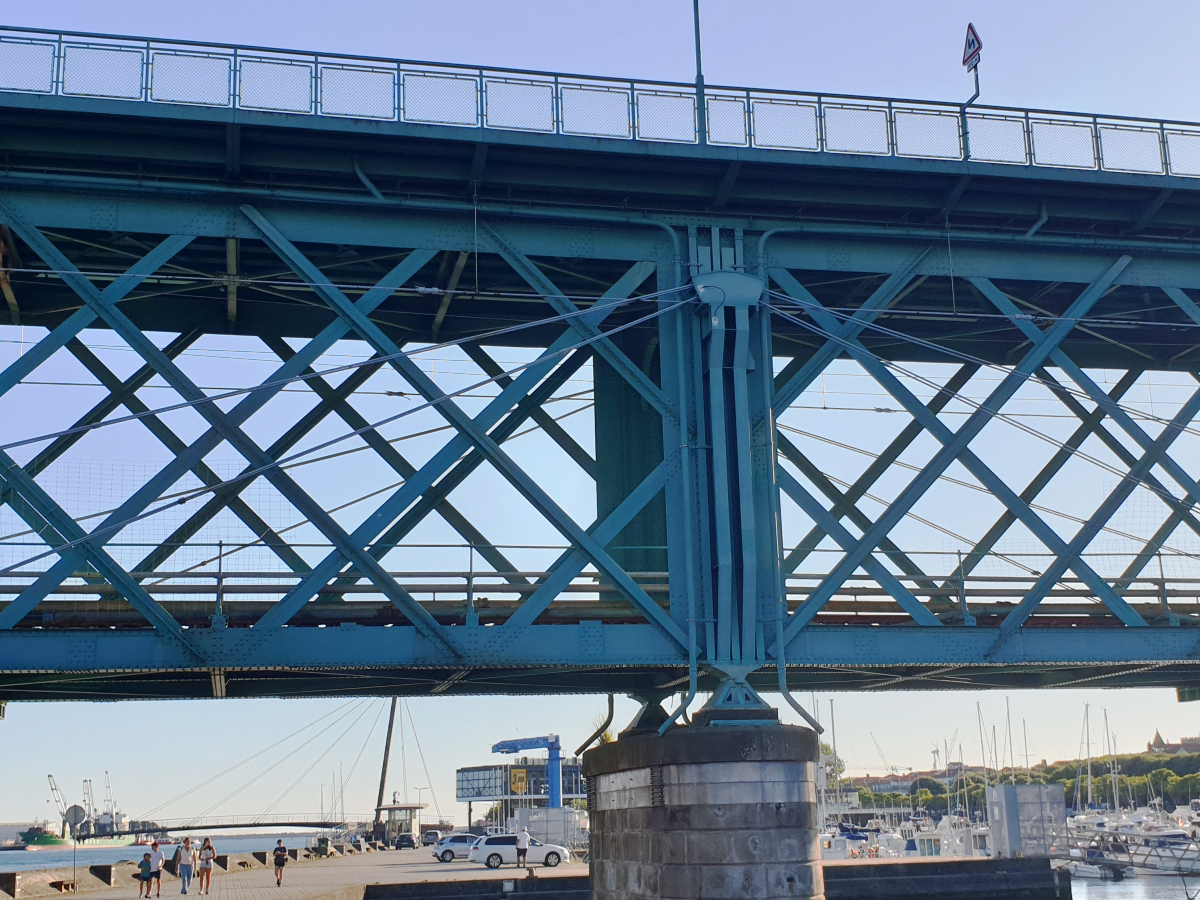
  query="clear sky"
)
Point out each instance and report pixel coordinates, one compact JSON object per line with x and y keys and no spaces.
{"x":1107,"y":57}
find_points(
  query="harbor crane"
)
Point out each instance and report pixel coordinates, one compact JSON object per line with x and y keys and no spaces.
{"x":891,"y":770}
{"x":553,"y":763}
{"x":59,"y":802}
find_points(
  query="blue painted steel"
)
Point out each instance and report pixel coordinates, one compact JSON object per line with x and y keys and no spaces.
{"x":553,"y":762}
{"x":723,"y":472}
{"x":178,"y":78}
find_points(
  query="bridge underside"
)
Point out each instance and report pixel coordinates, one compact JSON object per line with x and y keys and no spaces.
{"x":713,"y":510}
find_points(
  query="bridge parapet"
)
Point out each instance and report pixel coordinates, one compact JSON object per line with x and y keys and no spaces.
{"x":175,"y":73}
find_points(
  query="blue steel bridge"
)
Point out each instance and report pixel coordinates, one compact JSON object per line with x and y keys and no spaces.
{"x":429,"y":264}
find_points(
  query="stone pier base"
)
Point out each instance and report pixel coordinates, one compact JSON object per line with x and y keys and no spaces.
{"x":716,"y":813}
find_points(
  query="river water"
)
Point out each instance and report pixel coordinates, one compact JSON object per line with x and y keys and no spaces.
{"x":60,"y":858}
{"x":1140,"y":887}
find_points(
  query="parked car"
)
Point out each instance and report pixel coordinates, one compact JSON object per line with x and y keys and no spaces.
{"x":406,"y":842}
{"x":497,"y":849}
{"x":454,"y":846}
{"x":430,"y":837}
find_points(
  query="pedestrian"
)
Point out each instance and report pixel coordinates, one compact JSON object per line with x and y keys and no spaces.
{"x":157,"y":860}
{"x":280,"y":862}
{"x":185,"y":863}
{"x":207,"y":854}
{"x":144,"y":875}
{"x":522,"y":846}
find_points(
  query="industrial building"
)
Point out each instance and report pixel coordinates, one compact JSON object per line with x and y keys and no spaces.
{"x":521,"y":784}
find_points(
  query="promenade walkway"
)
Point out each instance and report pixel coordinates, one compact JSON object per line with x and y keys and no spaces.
{"x":330,"y":879}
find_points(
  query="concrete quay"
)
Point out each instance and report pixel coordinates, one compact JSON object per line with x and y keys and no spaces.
{"x":415,"y":875}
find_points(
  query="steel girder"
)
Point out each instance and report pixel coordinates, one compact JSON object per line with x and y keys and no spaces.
{"x":726,"y":470}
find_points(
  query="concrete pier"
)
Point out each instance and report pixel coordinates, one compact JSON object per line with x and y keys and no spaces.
{"x":716,"y":813}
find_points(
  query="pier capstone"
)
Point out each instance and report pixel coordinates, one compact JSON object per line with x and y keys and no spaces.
{"x":705,"y":813}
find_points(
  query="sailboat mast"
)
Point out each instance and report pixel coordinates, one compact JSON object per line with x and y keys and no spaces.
{"x":387,"y":752}
{"x":1012,"y":760}
{"x":982,"y":743}
{"x":1112,"y":764}
{"x":1087,"y":720}
{"x":837,"y":776}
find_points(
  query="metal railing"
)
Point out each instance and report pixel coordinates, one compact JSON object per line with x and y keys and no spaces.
{"x":257,"y":78}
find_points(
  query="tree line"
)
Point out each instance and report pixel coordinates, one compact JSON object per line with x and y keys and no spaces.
{"x":1141,"y":777}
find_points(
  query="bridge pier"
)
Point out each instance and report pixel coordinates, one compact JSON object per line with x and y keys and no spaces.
{"x":723,"y":812}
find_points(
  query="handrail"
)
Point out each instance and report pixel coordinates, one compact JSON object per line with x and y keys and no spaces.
{"x":354,"y":86}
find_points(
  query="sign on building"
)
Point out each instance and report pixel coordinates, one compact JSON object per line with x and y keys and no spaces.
{"x":518,"y":781}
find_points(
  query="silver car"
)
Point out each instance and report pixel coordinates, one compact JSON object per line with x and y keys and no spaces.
{"x":454,"y":846}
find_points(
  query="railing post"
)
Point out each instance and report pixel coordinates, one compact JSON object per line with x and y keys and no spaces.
{"x":1030,"y":149}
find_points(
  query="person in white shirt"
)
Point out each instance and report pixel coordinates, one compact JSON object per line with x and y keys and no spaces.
{"x":157,"y":860}
{"x":185,"y":863}
{"x":207,"y":854}
{"x":522,"y":846}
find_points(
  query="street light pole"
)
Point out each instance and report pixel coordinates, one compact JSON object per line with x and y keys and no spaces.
{"x":419,"y":805}
{"x":701,"y":106}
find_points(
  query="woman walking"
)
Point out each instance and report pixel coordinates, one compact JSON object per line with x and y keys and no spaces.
{"x":185,"y":863}
{"x":207,"y":854}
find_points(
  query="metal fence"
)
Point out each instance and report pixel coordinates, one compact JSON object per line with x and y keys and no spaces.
{"x":255,"y":78}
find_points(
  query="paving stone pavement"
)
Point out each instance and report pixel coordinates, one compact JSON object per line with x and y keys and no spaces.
{"x":339,"y":879}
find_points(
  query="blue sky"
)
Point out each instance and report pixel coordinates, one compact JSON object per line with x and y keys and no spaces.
{"x":1095,"y":56}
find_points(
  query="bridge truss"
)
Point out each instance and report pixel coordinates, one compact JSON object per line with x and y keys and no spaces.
{"x":421,"y":519}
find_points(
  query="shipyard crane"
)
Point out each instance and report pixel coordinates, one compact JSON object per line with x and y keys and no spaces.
{"x":110,"y":805}
{"x":58,"y":800}
{"x":553,"y":763}
{"x":89,"y":799}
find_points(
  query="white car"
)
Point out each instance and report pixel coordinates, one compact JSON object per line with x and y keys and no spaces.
{"x":454,"y":846}
{"x":496,"y":850}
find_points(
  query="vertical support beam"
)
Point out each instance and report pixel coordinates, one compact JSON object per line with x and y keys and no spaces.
{"x":231,"y":281}
{"x":738,"y":387}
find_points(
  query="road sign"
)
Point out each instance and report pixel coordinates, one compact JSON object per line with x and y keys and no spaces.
{"x":76,"y":815}
{"x":971,"y":48}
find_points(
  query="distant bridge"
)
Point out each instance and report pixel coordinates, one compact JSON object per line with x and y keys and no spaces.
{"x":283,"y":820}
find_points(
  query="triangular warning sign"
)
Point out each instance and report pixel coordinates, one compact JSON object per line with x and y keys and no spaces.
{"x":972,"y":47}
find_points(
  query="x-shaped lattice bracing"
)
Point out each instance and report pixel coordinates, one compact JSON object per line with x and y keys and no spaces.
{"x":74,"y":434}
{"x":228,"y":493}
{"x":955,"y":445}
{"x":1180,"y":511}
{"x":471,"y":433}
{"x":232,"y":433}
{"x":570,"y":563}
{"x":177,"y":445}
{"x":91,"y":551}
{"x":876,"y":569}
{"x":432,"y":499}
{"x":22,"y":491}
{"x":1154,"y":450}
{"x":1089,"y":425}
{"x":874,"y":306}
{"x":223,"y":426}
{"x":845,"y":502}
{"x":401,"y":466}
{"x":585,"y":328}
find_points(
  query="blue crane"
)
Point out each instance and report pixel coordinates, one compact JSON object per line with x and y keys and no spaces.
{"x":553,"y":764}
